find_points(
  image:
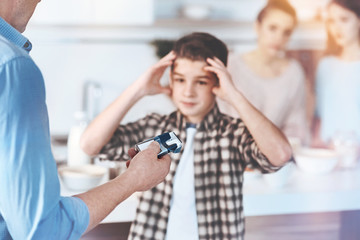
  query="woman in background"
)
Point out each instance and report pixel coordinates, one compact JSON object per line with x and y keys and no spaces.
{"x":273,"y":83}
{"x":338,"y":75}
{"x":338,"y":93}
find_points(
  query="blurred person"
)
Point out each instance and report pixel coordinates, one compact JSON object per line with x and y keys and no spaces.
{"x":338,"y":76}
{"x":273,"y":83}
{"x":337,"y":114}
{"x":201,"y":198}
{"x":30,"y":203}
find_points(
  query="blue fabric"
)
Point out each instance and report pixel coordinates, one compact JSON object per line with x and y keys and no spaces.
{"x":338,"y":97}
{"x":30,"y":203}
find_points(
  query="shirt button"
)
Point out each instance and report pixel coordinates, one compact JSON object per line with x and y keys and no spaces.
{"x":166,"y":209}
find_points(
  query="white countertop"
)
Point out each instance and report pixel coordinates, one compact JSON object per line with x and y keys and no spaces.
{"x":303,"y":193}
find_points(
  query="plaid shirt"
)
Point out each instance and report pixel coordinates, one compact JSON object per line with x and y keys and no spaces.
{"x":223,"y":147}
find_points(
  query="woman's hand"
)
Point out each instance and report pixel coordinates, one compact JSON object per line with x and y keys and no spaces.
{"x":149,"y":81}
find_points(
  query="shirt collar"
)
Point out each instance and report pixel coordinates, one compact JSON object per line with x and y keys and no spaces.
{"x":190,"y":125}
{"x":207,"y":123}
{"x":14,"y":36}
{"x":210,"y":119}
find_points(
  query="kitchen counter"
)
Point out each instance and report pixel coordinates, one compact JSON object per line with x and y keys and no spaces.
{"x":303,"y":193}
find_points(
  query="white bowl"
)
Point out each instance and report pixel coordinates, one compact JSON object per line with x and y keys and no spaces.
{"x":279,"y":178}
{"x":196,"y":11}
{"x":82,"y":177}
{"x":316,"y":160}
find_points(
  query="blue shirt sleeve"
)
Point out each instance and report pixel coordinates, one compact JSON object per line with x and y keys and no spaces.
{"x":30,"y":201}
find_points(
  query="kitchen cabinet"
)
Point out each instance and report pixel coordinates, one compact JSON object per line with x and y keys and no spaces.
{"x":236,"y":10}
{"x":94,"y":12}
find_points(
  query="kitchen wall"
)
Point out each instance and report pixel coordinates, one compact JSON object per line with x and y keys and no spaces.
{"x":91,"y":41}
{"x":113,"y":63}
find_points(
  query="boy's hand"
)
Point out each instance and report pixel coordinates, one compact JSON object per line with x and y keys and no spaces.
{"x":146,"y":169}
{"x":149,"y":82}
{"x":226,"y":88}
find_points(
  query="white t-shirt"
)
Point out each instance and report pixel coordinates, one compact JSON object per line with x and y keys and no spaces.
{"x":182,"y":222}
{"x":338,"y":97}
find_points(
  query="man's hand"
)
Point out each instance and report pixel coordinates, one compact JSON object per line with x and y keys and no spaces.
{"x":146,"y":169}
{"x":150,"y":80}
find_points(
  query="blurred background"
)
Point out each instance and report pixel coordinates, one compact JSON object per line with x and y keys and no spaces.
{"x":90,"y":50}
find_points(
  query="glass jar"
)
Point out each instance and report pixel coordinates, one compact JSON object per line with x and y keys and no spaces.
{"x":346,"y":145}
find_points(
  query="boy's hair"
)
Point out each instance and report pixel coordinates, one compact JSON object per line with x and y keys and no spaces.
{"x":332,"y":48}
{"x":200,"y":46}
{"x":282,"y":5}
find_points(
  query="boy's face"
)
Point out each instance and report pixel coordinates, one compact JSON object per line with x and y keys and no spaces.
{"x":192,"y":89}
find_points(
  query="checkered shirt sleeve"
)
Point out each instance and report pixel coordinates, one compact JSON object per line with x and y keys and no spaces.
{"x":126,"y":136}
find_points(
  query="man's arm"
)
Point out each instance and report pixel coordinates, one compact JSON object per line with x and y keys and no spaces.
{"x":144,"y":172}
{"x":100,"y":131}
{"x":30,"y":201}
{"x":270,"y":140}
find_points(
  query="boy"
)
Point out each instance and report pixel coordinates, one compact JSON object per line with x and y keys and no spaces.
{"x":201,"y":198}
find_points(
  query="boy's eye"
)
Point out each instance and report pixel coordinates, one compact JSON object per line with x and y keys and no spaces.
{"x":288,"y":33}
{"x":179,"y":80}
{"x":202,"y":82}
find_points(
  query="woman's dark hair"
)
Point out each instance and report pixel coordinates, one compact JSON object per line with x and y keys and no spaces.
{"x":200,"y":46}
{"x":282,"y":5}
{"x":332,"y":48}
